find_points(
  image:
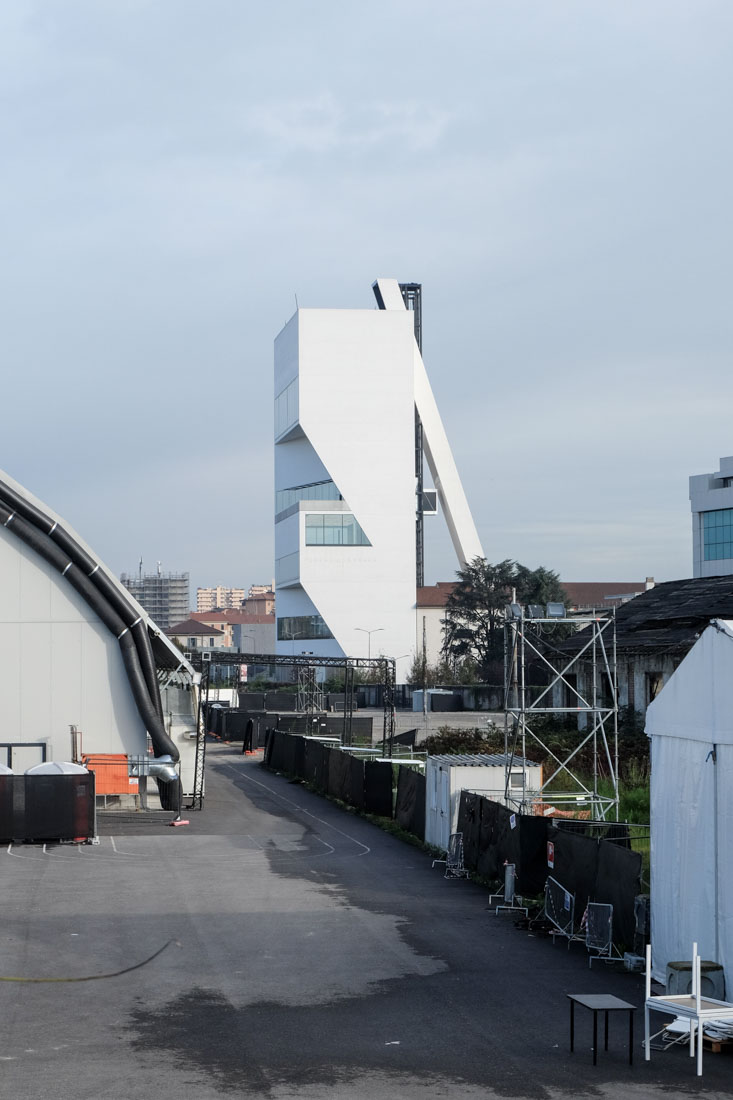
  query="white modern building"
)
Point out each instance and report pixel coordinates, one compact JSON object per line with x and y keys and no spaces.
{"x":711,"y":501}
{"x":349,"y":385}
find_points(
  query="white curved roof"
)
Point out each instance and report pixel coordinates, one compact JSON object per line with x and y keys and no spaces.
{"x":165,"y":652}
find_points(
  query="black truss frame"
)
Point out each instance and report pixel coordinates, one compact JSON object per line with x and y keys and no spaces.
{"x":386,"y":665}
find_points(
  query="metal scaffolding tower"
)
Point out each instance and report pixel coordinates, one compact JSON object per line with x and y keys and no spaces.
{"x":582,"y":685}
{"x":310,"y":697}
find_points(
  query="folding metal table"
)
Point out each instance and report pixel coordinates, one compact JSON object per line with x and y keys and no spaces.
{"x":601,"y":1002}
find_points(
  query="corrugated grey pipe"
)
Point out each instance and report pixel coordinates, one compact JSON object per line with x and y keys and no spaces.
{"x":55,"y":556}
{"x":99,"y":579}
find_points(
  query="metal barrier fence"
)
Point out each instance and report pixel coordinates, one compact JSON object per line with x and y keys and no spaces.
{"x":124,"y":784}
{"x":599,"y":930}
{"x":559,"y":907}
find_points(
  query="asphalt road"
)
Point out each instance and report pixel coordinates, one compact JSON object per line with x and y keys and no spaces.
{"x":313,"y":956}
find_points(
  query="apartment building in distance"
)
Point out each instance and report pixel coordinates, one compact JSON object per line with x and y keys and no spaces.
{"x":258,"y":599}
{"x":219,"y":597}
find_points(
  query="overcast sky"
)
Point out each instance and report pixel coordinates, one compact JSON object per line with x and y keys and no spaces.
{"x":557,"y":175}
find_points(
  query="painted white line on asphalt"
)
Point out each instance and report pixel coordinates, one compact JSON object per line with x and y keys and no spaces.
{"x":300,"y":809}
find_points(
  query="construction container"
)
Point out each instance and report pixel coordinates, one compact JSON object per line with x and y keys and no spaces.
{"x":447,"y":775}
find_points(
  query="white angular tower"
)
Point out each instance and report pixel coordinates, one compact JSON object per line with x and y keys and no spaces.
{"x":347,"y":387}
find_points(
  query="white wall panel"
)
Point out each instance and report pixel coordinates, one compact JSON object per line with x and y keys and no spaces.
{"x":10,"y":566}
{"x":59,"y":666}
{"x":35,"y":655}
{"x":10,"y":680}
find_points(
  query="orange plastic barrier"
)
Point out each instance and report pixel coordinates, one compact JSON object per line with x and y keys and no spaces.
{"x":110,"y":773}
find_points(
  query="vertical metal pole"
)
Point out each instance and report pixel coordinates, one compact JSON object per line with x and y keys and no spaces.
{"x":617,"y":790}
{"x":419,"y":514}
{"x":595,"y":718}
{"x":346,"y":688}
{"x":524,"y":706}
{"x":350,"y":712}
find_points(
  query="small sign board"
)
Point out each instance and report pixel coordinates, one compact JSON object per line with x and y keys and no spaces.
{"x":550,"y":855}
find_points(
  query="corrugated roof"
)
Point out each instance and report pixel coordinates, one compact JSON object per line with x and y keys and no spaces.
{"x":480,"y":760}
{"x":669,"y":616}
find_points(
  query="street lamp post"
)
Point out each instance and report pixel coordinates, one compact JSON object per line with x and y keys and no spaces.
{"x":369,"y":633}
{"x":293,"y":636}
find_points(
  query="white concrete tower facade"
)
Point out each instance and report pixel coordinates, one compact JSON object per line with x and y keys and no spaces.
{"x":347,"y":383}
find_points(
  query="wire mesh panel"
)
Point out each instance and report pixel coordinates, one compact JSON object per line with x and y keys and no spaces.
{"x":559,"y":907}
{"x":599,"y":929}
{"x":453,"y":861}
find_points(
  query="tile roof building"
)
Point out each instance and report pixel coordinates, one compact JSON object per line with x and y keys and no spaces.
{"x":602,"y":595}
{"x":654,"y":631}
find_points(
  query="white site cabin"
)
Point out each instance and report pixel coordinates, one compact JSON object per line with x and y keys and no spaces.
{"x":449,"y":774}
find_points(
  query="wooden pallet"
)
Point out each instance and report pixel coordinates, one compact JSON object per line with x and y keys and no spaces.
{"x":717,"y":1046}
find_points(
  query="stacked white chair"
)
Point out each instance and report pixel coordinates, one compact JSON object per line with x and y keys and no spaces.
{"x":693,"y":1007}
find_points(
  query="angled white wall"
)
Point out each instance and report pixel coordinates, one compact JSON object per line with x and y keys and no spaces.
{"x":438,"y":454}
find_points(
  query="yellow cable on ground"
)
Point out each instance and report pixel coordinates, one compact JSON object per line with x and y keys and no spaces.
{"x":94,"y":977}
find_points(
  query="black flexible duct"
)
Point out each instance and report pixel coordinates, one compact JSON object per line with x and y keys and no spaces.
{"x":100,"y":580}
{"x":51,"y":552}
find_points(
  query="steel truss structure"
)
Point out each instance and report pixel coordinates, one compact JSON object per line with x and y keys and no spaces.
{"x":309,"y":697}
{"x":596,"y":706}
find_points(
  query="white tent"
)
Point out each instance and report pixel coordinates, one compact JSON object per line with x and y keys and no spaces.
{"x":690,"y":724}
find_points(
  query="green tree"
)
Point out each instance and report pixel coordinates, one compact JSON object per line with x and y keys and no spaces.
{"x":474,"y":613}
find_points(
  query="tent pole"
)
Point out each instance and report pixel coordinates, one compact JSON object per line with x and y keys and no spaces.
{"x":715,"y":853}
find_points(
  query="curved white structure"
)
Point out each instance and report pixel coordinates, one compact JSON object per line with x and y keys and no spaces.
{"x":61,"y":666}
{"x":347,"y":385}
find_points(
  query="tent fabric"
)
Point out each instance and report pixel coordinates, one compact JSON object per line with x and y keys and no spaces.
{"x":696,"y":703}
{"x":691,"y":728}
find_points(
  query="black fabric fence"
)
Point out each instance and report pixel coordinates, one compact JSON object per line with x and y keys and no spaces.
{"x":357,"y":797}
{"x":409,"y":809}
{"x":47,"y":807}
{"x":378,"y":787}
{"x":602,"y":870}
{"x":364,"y":784}
{"x":339,"y":776}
